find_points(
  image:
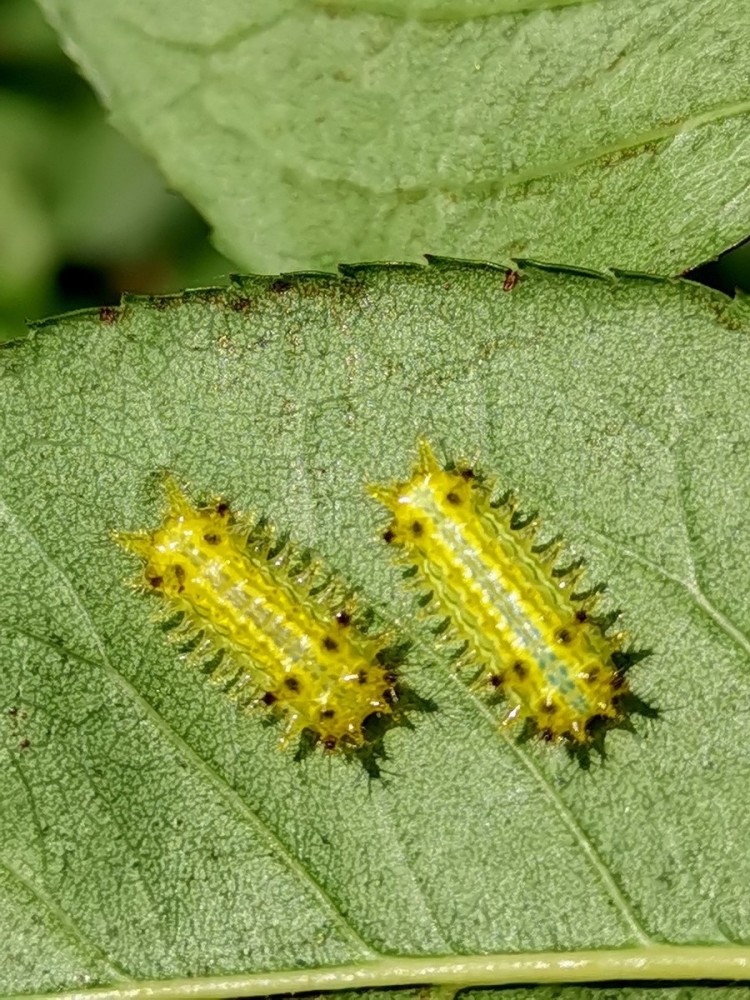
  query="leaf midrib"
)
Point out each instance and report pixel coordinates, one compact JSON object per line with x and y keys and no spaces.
{"x":653,"y":963}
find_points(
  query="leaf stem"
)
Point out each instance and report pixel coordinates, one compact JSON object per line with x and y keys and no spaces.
{"x":665,"y":962}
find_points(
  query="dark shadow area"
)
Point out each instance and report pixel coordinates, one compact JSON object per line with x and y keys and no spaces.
{"x":728,"y":273}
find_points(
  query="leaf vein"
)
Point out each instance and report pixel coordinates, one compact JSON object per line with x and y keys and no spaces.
{"x":69,"y":927}
{"x":217,"y":781}
{"x":564,"y":813}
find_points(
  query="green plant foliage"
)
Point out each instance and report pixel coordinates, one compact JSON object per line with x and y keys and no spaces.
{"x":313,"y":131}
{"x":149,"y":830}
{"x":79,"y":205}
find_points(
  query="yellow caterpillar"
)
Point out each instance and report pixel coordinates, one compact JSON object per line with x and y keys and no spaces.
{"x":289,"y":638}
{"x":526,"y":634}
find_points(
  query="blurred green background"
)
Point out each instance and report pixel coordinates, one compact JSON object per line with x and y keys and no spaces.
{"x":84,"y":216}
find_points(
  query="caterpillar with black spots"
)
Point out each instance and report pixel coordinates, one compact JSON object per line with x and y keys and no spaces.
{"x":525,"y":634}
{"x":275,"y":626}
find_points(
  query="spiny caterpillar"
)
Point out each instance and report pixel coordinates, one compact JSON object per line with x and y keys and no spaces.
{"x":525,"y":633}
{"x":273,"y":627}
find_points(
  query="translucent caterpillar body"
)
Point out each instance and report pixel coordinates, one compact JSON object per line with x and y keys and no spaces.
{"x":524,"y":632}
{"x":287,"y":635}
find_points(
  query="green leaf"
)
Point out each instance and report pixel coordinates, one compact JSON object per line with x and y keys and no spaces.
{"x":313,"y":131}
{"x":150,"y":831}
